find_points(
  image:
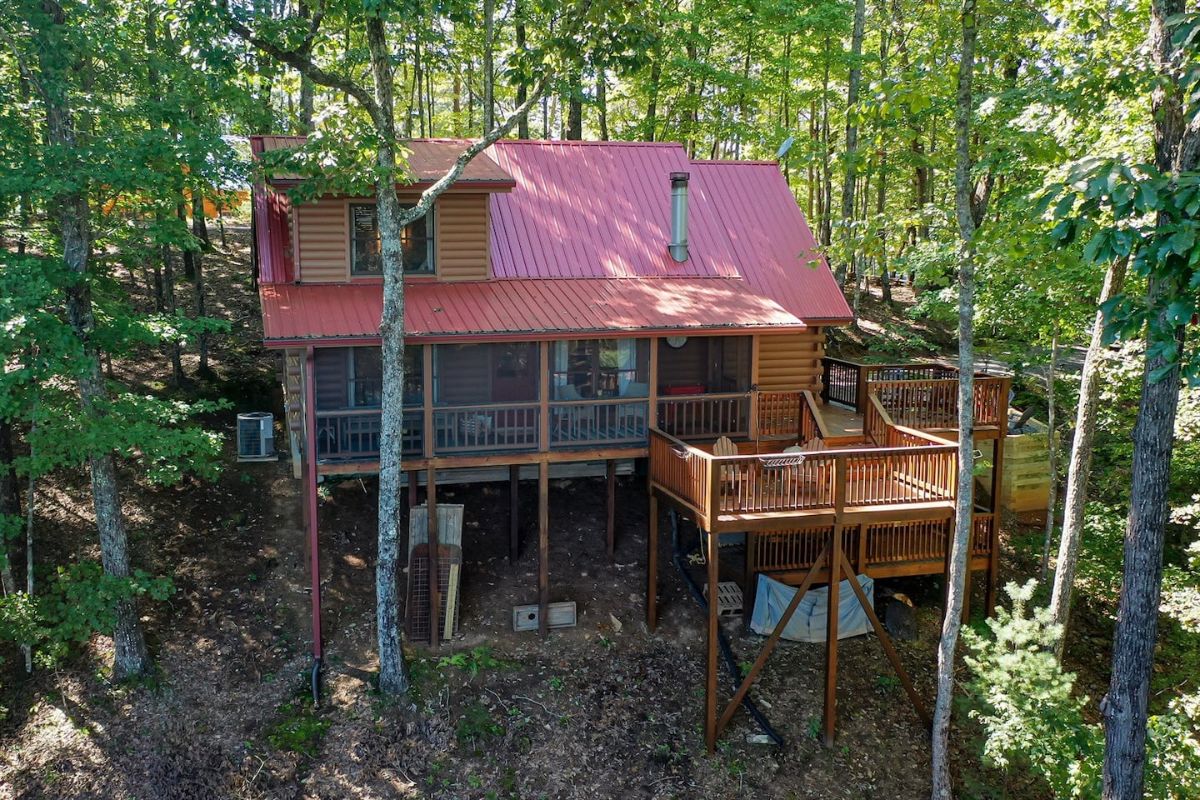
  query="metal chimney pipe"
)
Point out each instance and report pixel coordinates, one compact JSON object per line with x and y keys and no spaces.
{"x":679,"y":216}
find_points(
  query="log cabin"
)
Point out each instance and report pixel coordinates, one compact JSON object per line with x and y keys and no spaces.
{"x":575,"y":304}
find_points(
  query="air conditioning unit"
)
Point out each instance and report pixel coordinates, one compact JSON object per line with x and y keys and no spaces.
{"x":256,"y":436}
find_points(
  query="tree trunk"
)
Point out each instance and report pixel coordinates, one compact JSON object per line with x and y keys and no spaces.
{"x":305,"y":119}
{"x":1052,"y":500}
{"x":827,"y":173}
{"x":177,"y":376}
{"x":856,"y":40}
{"x":960,"y":547}
{"x":1124,"y":708}
{"x":573,"y":129}
{"x":1081,"y":459}
{"x":200,"y":231}
{"x":10,"y":505}
{"x":489,"y":69}
{"x":650,"y":121}
{"x":393,"y":672}
{"x":70,"y":209}
{"x":522,"y":84}
{"x":602,"y":102}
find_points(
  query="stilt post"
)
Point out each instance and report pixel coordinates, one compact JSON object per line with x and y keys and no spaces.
{"x":652,"y":566}
{"x":610,"y":475}
{"x":435,"y":565}
{"x":514,"y":524}
{"x":543,"y":547}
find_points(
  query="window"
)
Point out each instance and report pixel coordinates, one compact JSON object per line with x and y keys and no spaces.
{"x":472,"y":374}
{"x":416,"y":243}
{"x":352,"y":377}
{"x":598,"y":368}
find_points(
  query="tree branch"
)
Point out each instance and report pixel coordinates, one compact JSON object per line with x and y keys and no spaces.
{"x":303,"y":64}
{"x":466,"y":156}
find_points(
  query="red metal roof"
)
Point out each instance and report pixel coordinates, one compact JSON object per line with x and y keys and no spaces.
{"x":580,"y":245}
{"x":272,"y":237}
{"x":529,"y":308}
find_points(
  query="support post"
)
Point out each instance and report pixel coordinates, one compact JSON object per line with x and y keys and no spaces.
{"x":652,"y":391}
{"x":610,"y":476}
{"x":993,"y":571}
{"x":711,"y":666}
{"x":652,"y":567}
{"x":831,"y":636}
{"x":966,"y":606}
{"x":435,"y":565}
{"x":428,"y":435}
{"x":412,"y":489}
{"x":310,"y":502}
{"x":514,"y":523}
{"x":543,"y":547}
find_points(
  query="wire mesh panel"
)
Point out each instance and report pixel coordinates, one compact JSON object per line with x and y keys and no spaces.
{"x":416,"y":623}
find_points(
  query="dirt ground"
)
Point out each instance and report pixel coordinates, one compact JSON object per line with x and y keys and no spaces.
{"x":604,"y":709}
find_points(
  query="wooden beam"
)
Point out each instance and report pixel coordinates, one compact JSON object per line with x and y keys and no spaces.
{"x":652,"y":566}
{"x":435,"y":566}
{"x":831,"y":638}
{"x":711,"y":666}
{"x":543,"y":548}
{"x":412,"y":489}
{"x":544,"y":397}
{"x":993,"y":570}
{"x":652,"y":391}
{"x":371,"y":467}
{"x":886,"y":642}
{"x":772,"y":640}
{"x":514,"y":526}
{"x":428,"y":434}
{"x":610,"y":476}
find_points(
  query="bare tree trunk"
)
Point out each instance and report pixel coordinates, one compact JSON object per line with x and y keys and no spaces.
{"x":10,"y":505}
{"x":851,"y":154}
{"x":200,"y":231}
{"x":573,"y":128}
{"x":827,"y":174}
{"x":489,"y":69}
{"x":1125,"y":707}
{"x":602,"y":102}
{"x":1052,"y":446}
{"x":71,"y":211}
{"x":942,"y":785}
{"x":177,"y":376}
{"x":306,"y":84}
{"x":393,"y":672}
{"x":1081,"y":459}
{"x":522,"y":86}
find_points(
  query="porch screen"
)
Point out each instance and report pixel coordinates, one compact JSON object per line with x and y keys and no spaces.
{"x":352,"y":377}
{"x":704,"y":364}
{"x":598,"y":368}
{"x":474,"y":374}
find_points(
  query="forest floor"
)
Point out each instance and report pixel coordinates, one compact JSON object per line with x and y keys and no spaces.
{"x":604,"y":709}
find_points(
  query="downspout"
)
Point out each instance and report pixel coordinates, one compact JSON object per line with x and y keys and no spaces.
{"x":310,"y":492}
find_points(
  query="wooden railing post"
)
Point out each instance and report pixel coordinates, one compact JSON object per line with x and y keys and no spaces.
{"x":427,"y":400}
{"x":840,"y":479}
{"x":860,"y":392}
{"x":544,"y":397}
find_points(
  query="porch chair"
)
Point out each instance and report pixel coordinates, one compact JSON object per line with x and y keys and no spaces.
{"x":574,"y":420}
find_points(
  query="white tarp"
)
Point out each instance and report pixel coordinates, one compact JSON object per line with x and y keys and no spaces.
{"x":808,"y":623}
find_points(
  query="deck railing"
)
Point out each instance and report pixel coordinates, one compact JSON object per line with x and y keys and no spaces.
{"x":882,"y":543}
{"x":705,"y":416}
{"x":789,"y":415}
{"x":930,"y":403}
{"x":349,"y":434}
{"x":490,"y":427}
{"x":578,"y":423}
{"x":781,"y":483}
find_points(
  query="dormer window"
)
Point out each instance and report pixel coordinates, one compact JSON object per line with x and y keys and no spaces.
{"x":416,"y":243}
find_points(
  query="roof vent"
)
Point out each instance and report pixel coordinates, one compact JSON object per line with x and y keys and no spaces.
{"x":679,"y":217}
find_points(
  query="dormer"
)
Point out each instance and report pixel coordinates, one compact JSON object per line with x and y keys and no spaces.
{"x":335,"y":239}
